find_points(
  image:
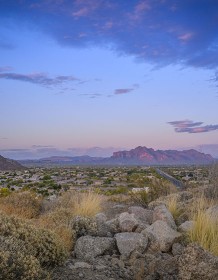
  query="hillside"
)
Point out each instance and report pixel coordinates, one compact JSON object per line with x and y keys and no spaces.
{"x":9,"y":164}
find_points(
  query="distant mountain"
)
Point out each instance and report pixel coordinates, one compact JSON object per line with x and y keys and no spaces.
{"x":144,"y":155}
{"x":9,"y":164}
{"x":137,"y":156}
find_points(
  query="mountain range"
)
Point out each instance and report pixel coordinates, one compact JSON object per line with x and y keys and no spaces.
{"x":137,"y":156}
{"x":9,"y":164}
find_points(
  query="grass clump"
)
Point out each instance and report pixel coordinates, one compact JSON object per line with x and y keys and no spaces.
{"x":205,"y":230}
{"x":172,"y":205}
{"x":85,"y":204}
{"x":22,"y":204}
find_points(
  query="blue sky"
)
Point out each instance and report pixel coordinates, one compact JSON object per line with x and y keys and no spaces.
{"x":110,"y":74}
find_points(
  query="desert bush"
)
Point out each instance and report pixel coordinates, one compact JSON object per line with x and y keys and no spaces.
{"x":22,"y":204}
{"x":17,"y":263}
{"x":84,"y":226}
{"x":39,"y":243}
{"x":59,"y":222}
{"x":140,"y":198}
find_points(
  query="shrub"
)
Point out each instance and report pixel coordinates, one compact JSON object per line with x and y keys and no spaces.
{"x":140,"y":198}
{"x":23,"y":204}
{"x":84,"y":226}
{"x":17,"y":263}
{"x":59,"y":221}
{"x":39,"y":243}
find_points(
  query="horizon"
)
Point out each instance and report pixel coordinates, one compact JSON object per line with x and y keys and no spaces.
{"x":31,"y":154}
{"x":104,"y":75}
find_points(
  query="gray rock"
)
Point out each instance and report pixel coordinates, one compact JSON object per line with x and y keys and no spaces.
{"x":213,"y":212}
{"x":163,"y":214}
{"x":100,"y":217}
{"x":128,"y":242}
{"x":141,"y":214}
{"x":197,"y":264}
{"x":79,"y":265}
{"x":113,"y":225}
{"x":89,"y":247}
{"x":186,"y":226}
{"x":177,"y":249}
{"x":141,"y":227}
{"x":127,"y":222}
{"x":163,"y":234}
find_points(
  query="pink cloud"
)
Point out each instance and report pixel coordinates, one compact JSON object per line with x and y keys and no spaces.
{"x":186,"y":36}
{"x":81,"y":12}
{"x":142,"y":6}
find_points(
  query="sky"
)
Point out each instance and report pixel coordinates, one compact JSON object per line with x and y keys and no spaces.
{"x":97,"y":76}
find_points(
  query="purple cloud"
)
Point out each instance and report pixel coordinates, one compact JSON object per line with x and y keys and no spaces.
{"x":185,"y":123}
{"x":123,"y":90}
{"x":39,"y":78}
{"x":192,"y":127}
{"x":5,"y":68}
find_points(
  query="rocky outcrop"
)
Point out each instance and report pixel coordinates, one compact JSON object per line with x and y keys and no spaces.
{"x":138,"y":244}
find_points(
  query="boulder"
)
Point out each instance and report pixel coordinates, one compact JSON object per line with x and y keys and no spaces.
{"x":89,"y":247}
{"x":163,"y":234}
{"x":127,"y":222}
{"x":141,"y":214}
{"x":128,"y":242}
{"x":197,"y":264}
{"x":213,"y":212}
{"x":163,"y":214}
{"x":186,"y":226}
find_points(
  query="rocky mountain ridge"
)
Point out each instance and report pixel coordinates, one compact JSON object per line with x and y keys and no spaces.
{"x":9,"y":164}
{"x":138,"y":156}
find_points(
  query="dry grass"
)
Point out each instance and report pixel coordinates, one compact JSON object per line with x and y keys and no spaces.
{"x":25,"y":205}
{"x":205,"y":231}
{"x":85,"y":204}
{"x":172,"y":204}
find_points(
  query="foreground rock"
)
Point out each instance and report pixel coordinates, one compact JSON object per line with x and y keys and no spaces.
{"x":129,"y":242}
{"x":127,"y":222}
{"x":89,"y":247}
{"x":163,"y":214}
{"x":197,"y":264}
{"x":161,"y":233}
{"x":142,"y":215}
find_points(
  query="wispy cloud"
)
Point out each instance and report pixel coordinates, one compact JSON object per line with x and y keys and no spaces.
{"x":39,"y":78}
{"x":192,"y":127}
{"x":123,"y":90}
{"x":5,"y":68}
